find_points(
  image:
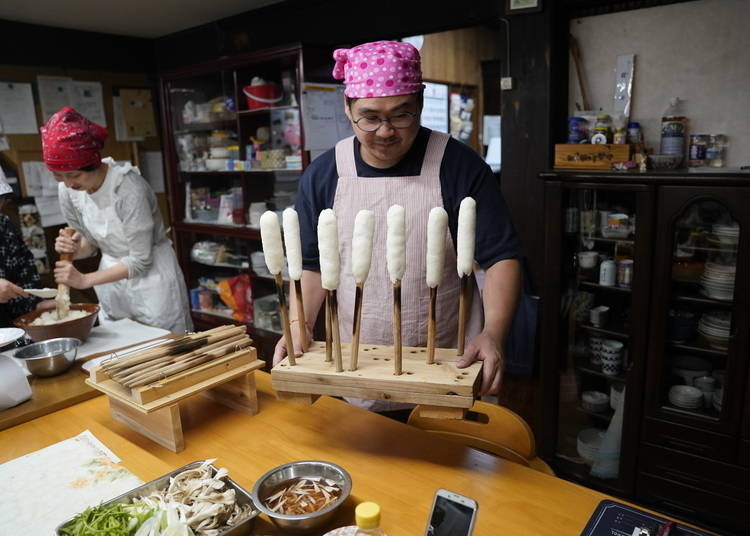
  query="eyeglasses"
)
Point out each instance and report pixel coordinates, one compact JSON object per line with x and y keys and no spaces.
{"x":371,"y":123}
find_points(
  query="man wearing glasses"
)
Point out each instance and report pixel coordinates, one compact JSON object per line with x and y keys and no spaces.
{"x":391,"y":159}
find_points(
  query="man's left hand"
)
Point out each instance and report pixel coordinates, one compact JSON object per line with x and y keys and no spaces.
{"x":485,"y":348}
{"x":67,"y":274}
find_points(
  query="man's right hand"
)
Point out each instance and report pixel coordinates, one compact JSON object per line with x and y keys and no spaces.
{"x":280,"y":351}
{"x":68,"y":244}
{"x":8,"y":291}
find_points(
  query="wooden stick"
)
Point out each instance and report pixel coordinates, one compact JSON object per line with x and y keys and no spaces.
{"x":329,"y":337}
{"x":335,"y":331}
{"x":462,"y":313}
{"x":356,"y":325}
{"x":63,"y":290}
{"x":300,"y":314}
{"x":431,"y":322}
{"x":397,"y":327}
{"x":285,"y":318}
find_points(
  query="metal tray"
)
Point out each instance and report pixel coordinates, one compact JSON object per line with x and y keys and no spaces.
{"x":243,"y":497}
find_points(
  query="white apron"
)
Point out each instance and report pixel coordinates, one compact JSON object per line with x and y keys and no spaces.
{"x":158,"y":297}
{"x":418,"y":195}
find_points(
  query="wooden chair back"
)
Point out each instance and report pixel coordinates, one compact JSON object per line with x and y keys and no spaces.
{"x":497,"y":431}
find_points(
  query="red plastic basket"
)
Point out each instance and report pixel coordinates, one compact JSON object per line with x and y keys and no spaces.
{"x":262,"y":96}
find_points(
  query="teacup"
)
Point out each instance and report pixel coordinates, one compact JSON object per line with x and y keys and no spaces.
{"x":598,"y":315}
{"x":588,"y":259}
{"x":611,"y":364}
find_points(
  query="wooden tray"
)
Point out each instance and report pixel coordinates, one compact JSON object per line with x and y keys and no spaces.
{"x":153,"y":410}
{"x":590,"y":156}
{"x":447,"y":390}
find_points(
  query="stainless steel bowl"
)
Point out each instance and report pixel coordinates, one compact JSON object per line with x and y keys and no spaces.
{"x":301,"y":524}
{"x":49,"y":358}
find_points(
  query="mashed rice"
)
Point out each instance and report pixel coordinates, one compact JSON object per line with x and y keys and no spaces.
{"x":50,"y":317}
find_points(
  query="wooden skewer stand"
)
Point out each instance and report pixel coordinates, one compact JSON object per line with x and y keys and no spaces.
{"x":154,"y":410}
{"x":447,"y":391}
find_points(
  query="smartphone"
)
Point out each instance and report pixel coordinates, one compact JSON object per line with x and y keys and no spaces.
{"x":451,"y":515}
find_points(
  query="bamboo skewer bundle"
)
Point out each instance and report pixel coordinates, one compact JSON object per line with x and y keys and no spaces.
{"x":395,"y":241}
{"x":328,"y":246}
{"x":437,"y":228}
{"x":467,"y":222}
{"x":364,"y":230}
{"x":273,"y":251}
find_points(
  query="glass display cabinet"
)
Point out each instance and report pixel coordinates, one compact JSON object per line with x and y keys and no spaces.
{"x":646,"y":308}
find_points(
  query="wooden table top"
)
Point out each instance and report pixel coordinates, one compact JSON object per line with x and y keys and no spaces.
{"x":395,"y":465}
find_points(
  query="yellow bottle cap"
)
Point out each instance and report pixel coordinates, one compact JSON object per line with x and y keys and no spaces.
{"x":367,"y":515}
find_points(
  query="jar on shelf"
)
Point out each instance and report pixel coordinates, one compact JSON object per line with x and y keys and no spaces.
{"x":635,"y":136}
{"x":577,"y":129}
{"x":697,"y":151}
{"x":620,"y":136}
{"x":603,"y":128}
{"x":716,"y":150}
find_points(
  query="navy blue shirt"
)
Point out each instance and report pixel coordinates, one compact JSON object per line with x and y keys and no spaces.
{"x":463,"y":173}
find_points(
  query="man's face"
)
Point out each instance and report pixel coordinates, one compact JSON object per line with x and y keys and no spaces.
{"x":77,"y":179}
{"x":386,"y":146}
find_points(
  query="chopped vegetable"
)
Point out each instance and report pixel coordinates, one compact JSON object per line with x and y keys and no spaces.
{"x":108,"y":519}
{"x":303,"y":496}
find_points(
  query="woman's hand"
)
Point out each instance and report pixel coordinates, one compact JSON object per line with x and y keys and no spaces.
{"x":46,"y":305}
{"x":66,"y":274}
{"x":68,"y":244}
{"x":8,"y":291}
{"x":280,"y":351}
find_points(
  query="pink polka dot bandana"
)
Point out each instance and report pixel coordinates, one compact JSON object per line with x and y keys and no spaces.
{"x":379,"y":69}
{"x":70,"y":141}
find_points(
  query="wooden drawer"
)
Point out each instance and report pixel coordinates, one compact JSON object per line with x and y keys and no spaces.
{"x":706,"y":474}
{"x":690,"y":440}
{"x":745,"y":453}
{"x":692,"y":504}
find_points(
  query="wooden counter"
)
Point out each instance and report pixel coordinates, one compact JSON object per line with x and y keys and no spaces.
{"x":395,"y":465}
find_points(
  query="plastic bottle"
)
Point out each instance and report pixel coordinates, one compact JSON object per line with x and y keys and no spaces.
{"x":673,"y":127}
{"x":367,"y":515}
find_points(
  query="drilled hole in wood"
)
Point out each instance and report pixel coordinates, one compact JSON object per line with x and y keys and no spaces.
{"x":386,"y":359}
{"x":359,"y":375}
{"x":464,"y":373}
{"x":437,"y":362}
{"x":375,"y":358}
{"x":410,"y":373}
{"x":423,"y":351}
{"x":374,"y":348}
{"x":412,"y":351}
{"x":366,"y":349}
{"x":459,"y":378}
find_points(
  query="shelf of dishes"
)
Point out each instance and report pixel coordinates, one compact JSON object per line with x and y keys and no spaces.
{"x":222,"y":205}
{"x":695,"y":385}
{"x":708,"y":332}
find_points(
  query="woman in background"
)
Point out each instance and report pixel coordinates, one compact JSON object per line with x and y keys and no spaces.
{"x":113,"y":210}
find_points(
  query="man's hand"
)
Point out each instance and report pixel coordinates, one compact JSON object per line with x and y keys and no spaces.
{"x":67,"y":274}
{"x":8,"y":291}
{"x":484,"y":348}
{"x":280,"y":352}
{"x":68,"y":244}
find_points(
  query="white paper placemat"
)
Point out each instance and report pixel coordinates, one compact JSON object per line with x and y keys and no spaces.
{"x":42,"y":489}
{"x":117,"y":334}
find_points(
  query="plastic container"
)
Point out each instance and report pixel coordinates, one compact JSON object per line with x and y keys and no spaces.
{"x":635,"y":136}
{"x":697,"y":151}
{"x":367,"y":515}
{"x":577,"y":129}
{"x":716,"y":149}
{"x":673,"y":127}
{"x":262,"y":96}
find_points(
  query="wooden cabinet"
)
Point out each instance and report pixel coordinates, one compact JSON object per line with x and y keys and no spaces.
{"x":685,"y":435}
{"x":234,"y":148}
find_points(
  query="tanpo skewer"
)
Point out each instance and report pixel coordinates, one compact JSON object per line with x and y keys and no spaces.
{"x":364,"y":228}
{"x":270,"y":235}
{"x":437,"y":226}
{"x":467,"y":222}
{"x":329,"y":335}
{"x":328,"y":246}
{"x":293,"y":245}
{"x":395,"y":242}
{"x":63,"y":290}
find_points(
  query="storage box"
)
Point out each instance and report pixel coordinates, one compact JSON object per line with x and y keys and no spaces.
{"x":589,"y":156}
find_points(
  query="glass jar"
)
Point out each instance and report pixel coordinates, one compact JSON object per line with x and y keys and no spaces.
{"x":716,"y":149}
{"x":604,"y":126}
{"x":698,"y":147}
{"x":577,"y":128}
{"x":635,"y":135}
{"x":620,"y":136}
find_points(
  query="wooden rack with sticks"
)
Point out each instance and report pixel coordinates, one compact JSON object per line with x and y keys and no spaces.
{"x":146,"y":387}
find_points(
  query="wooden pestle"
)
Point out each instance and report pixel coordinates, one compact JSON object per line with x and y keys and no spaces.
{"x":63,"y":291}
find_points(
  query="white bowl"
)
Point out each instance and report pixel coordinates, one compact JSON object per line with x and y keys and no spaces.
{"x":589,"y":441}
{"x":595,"y":401}
{"x":216,"y":164}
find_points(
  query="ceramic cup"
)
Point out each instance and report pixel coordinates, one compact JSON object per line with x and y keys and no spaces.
{"x":595,"y":345}
{"x":598,"y":315}
{"x":611,"y":364}
{"x":588,"y":259}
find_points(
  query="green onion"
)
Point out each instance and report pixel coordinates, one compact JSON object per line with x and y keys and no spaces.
{"x":114,"y":519}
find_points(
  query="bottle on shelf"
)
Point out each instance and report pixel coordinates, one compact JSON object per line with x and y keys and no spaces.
{"x":673,"y":127}
{"x":367,"y":515}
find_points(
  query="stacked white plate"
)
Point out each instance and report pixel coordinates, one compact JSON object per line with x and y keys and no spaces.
{"x":715,"y":327}
{"x":716,"y":399}
{"x":686,"y":397}
{"x":718,"y":281}
{"x":727,"y":234}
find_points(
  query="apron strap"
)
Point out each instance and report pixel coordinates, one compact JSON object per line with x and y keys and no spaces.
{"x":345,"y":164}
{"x":433,"y":156}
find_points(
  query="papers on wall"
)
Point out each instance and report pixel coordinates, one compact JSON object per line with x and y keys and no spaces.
{"x":324,"y":120}
{"x":49,"y":210}
{"x":491,"y":128}
{"x":494,"y":154}
{"x":86,"y":97}
{"x":435,"y":110}
{"x":17,"y":114}
{"x":623,"y":83}
{"x":138,"y":112}
{"x":121,"y":134}
{"x":39,"y":180}
{"x":55,"y":92}
{"x":152,"y":167}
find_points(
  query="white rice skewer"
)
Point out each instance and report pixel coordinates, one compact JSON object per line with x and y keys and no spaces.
{"x":467,"y":224}
{"x":293,"y":243}
{"x":270,"y":235}
{"x":437,"y":228}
